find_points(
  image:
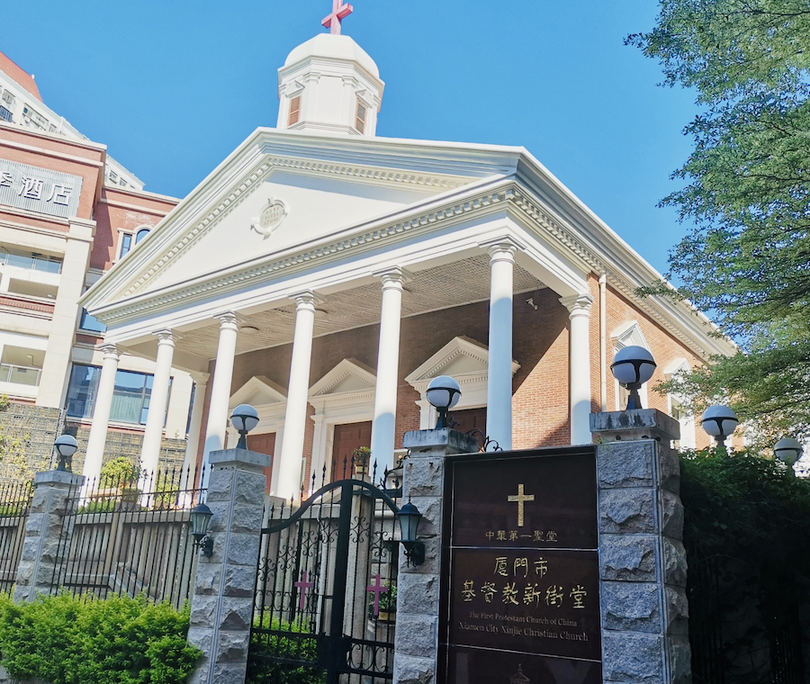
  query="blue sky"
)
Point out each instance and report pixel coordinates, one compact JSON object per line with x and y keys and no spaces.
{"x":172,"y":87}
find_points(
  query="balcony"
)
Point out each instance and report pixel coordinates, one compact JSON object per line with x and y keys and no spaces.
{"x":20,"y":375}
{"x":5,"y":114}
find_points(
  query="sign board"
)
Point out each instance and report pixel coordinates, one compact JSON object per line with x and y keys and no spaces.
{"x":521,"y":596}
{"x":41,"y":190}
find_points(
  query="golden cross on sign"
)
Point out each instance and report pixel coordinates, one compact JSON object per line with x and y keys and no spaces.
{"x":519,"y":499}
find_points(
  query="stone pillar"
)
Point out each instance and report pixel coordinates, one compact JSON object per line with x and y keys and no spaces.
{"x":101,"y":414}
{"x":52,"y":496}
{"x":158,"y":400}
{"x":579,"y":363}
{"x":642,"y":558}
{"x":295,"y":418}
{"x":66,"y":309}
{"x":499,"y":375}
{"x":222,"y":604}
{"x":416,"y":647}
{"x":383,"y":427}
{"x":221,"y":388}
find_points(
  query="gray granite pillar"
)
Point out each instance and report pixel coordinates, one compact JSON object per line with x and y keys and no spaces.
{"x":222,"y":604}
{"x":416,"y":646}
{"x":54,"y":492}
{"x":641,"y":554}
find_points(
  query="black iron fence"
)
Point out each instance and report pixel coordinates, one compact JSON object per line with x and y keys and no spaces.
{"x":130,"y":535}
{"x":15,"y":503}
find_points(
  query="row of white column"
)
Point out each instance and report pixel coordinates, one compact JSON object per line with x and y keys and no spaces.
{"x":289,"y":472}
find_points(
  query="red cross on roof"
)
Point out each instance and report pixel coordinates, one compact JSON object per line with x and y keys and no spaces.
{"x":339,"y":13}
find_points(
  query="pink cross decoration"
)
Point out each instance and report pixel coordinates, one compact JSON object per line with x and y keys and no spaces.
{"x":303,"y":585}
{"x":339,"y":13}
{"x":378,"y":588}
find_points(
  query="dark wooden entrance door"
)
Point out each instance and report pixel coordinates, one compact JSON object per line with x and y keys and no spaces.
{"x":264,"y":444}
{"x":471,"y":419}
{"x":348,"y":437}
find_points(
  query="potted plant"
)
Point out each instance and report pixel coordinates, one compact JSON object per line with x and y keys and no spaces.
{"x":360,"y":457}
{"x":387,"y":607}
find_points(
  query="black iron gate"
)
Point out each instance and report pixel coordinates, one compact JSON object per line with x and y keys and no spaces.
{"x":326,"y":590}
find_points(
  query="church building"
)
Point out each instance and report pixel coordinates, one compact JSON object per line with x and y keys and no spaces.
{"x":325,"y":275}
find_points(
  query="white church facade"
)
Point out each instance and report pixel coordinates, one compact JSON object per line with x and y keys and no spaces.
{"x":325,"y":275}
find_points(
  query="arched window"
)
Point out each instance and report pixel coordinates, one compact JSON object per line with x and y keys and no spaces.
{"x":141,"y":234}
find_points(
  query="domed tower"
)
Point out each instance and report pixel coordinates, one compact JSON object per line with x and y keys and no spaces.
{"x":330,"y":84}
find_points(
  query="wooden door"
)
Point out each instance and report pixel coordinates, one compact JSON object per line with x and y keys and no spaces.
{"x":470,"y":419}
{"x":348,"y":437}
{"x":264,"y":444}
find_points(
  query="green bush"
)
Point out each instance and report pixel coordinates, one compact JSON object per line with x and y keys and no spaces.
{"x":275,"y":643}
{"x":67,"y":639}
{"x":747,"y":537}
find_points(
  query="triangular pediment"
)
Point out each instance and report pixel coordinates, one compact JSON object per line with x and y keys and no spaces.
{"x":259,"y":391}
{"x":461,"y":356}
{"x":270,"y":198}
{"x":348,"y":376}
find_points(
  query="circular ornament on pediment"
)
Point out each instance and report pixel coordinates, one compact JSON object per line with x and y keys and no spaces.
{"x":270,"y":218}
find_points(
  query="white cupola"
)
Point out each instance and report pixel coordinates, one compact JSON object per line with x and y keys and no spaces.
{"x":329,"y":84}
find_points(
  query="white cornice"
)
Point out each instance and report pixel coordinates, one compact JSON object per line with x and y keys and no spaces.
{"x":537,"y":200}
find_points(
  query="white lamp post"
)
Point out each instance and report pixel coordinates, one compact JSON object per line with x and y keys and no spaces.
{"x":244,"y":418}
{"x":719,"y":422}
{"x":788,"y":450}
{"x":443,"y":393}
{"x":65,"y":446}
{"x":632,"y":367}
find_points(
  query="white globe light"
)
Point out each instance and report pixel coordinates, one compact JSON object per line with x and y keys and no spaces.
{"x":443,"y":392}
{"x":244,"y":418}
{"x":66,"y":445}
{"x":788,"y":450}
{"x":719,"y":421}
{"x":633,"y":365}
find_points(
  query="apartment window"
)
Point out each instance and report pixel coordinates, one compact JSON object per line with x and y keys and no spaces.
{"x":5,"y":114}
{"x":91,"y":323}
{"x":126,"y":244}
{"x":113,"y":176}
{"x":295,"y":111}
{"x":8,"y":97}
{"x":130,"y":397}
{"x":360,"y":117}
{"x":33,"y":118}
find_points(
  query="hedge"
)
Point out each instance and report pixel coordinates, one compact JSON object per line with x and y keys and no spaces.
{"x":70,"y":639}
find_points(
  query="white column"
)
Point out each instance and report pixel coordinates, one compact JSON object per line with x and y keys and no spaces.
{"x":101,"y":414}
{"x":295,"y":419}
{"x":158,"y":398}
{"x":579,"y":364}
{"x":221,"y":387}
{"x":499,"y":372}
{"x":194,"y":429}
{"x":385,"y":396}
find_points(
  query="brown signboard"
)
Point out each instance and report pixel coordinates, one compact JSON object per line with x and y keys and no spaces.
{"x":521,"y":598}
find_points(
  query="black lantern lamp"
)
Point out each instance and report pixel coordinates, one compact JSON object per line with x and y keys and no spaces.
{"x":409,"y":517}
{"x":244,"y":418}
{"x":719,"y":422}
{"x":200,"y":519}
{"x":788,"y":450}
{"x":443,"y":393}
{"x":632,"y":367}
{"x":65,"y":446}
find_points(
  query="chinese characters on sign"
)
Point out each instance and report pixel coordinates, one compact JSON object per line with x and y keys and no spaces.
{"x":523,"y":592}
{"x":41,"y":190}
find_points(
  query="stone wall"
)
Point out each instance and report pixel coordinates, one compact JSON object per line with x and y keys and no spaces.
{"x":28,"y":433}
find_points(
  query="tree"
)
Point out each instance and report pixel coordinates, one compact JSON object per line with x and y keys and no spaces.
{"x":746,"y":259}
